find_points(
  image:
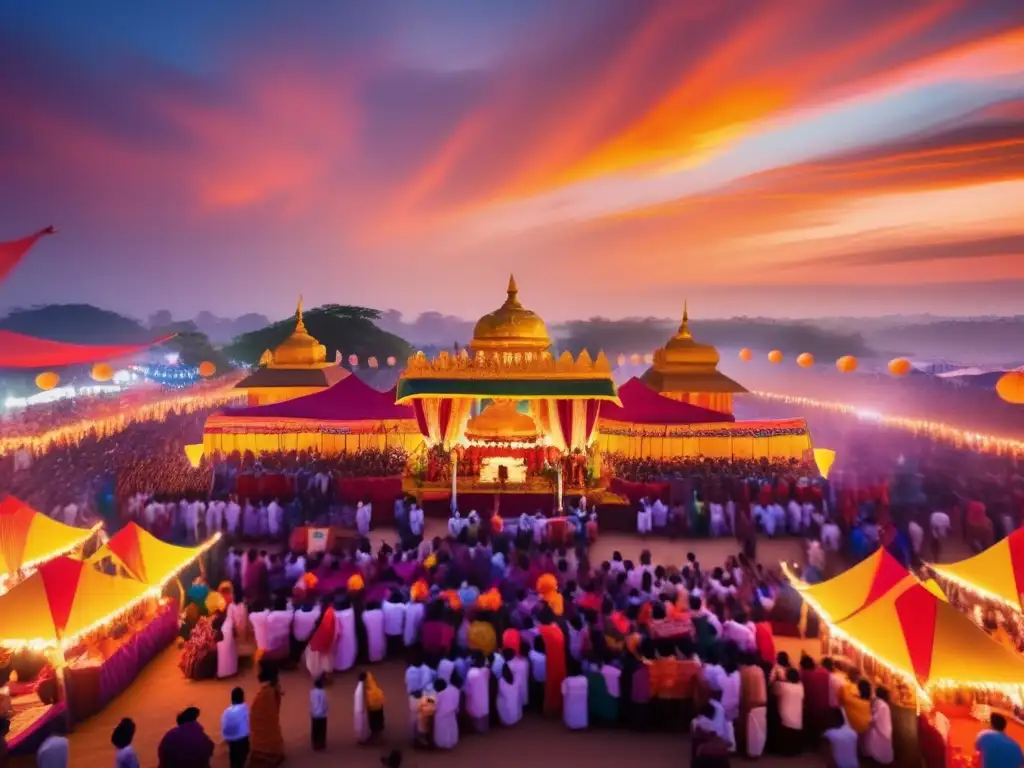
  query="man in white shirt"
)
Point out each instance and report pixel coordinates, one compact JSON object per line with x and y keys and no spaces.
{"x":659,"y":514}
{"x":831,"y":536}
{"x":718,"y":527}
{"x":574,"y":700}
{"x":842,"y":740}
{"x":232,"y":515}
{"x":416,"y":520}
{"x":394,"y":623}
{"x":363,"y":518}
{"x":478,"y":694}
{"x":456,"y":524}
{"x":644,"y":518}
{"x":275,"y":515}
{"x":376,"y":640}
{"x":916,"y":534}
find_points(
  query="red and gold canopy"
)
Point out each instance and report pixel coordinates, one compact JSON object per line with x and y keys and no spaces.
{"x":147,"y":558}
{"x":996,"y":574}
{"x":28,"y":537}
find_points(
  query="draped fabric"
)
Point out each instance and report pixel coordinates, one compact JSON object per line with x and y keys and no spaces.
{"x":563,"y":411}
{"x":573,"y":423}
{"x":14,"y":251}
{"x":442,"y":420}
{"x":20,"y":351}
{"x":458,"y":417}
{"x":593,"y":408}
{"x":421,"y":417}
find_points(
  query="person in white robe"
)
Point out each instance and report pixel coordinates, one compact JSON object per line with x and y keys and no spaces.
{"x":260,"y":631}
{"x":262,"y":520}
{"x":373,"y":620}
{"x":304,"y":622}
{"x":455,"y":524}
{"x":232,"y":514}
{"x":446,"y":715}
{"x":510,"y":702}
{"x":794,"y":517}
{"x":345,"y":641}
{"x":416,"y":521}
{"x":730,"y":514}
{"x":712,"y":721}
{"x":279,"y":631}
{"x":520,"y":667}
{"x":250,"y":521}
{"x":659,"y":514}
{"x":644,"y":518}
{"x":360,"y":719}
{"x":413,"y":618}
{"x":363,"y":517}
{"x":394,"y":623}
{"x":214,"y":517}
{"x":717,"y":519}
{"x":878,"y":739}
{"x":275,"y":515}
{"x":574,"y":700}
{"x":478,"y":694}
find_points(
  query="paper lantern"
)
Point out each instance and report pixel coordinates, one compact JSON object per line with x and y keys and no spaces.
{"x":47,"y":380}
{"x":620,"y":360}
{"x":649,"y":358}
{"x":746,"y":355}
{"x":372,"y":362}
{"x":899,"y":367}
{"x":353,"y":360}
{"x":391,"y":361}
{"x":806,"y":360}
{"x":634,"y":359}
{"x":207,"y":369}
{"x":824,"y":458}
{"x":847,"y":363}
{"x":194,"y":454}
{"x":775,"y":356}
{"x":102,"y":372}
{"x":1010,"y":387}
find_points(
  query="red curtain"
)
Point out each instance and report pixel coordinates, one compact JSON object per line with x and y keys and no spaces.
{"x":564,"y":410}
{"x":421,"y":417}
{"x":13,"y":252}
{"x":444,"y":415}
{"x":593,"y":410}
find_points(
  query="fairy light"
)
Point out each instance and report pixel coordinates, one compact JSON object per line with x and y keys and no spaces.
{"x":937,"y":430}
{"x":153,"y":593}
{"x":1012,"y":692}
{"x":188,"y":402}
{"x":981,"y":592}
{"x":27,"y":568}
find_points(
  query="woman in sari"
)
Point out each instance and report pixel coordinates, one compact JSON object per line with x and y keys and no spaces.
{"x":199,"y":657}
{"x":368,"y":709}
{"x":265,"y":722}
{"x":320,"y":650}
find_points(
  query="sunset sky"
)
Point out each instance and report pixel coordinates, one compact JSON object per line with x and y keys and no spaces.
{"x":782,"y":157}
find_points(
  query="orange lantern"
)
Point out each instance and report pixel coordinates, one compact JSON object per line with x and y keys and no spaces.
{"x":47,"y":380}
{"x":1010,"y":387}
{"x":353,"y":360}
{"x":634,"y":359}
{"x":847,"y":363}
{"x":391,"y":361}
{"x":649,"y":358}
{"x":806,"y":360}
{"x":207,"y":369}
{"x":746,"y":355}
{"x":102,"y":372}
{"x":372,"y":362}
{"x":620,"y":360}
{"x":775,"y":356}
{"x":899,"y":367}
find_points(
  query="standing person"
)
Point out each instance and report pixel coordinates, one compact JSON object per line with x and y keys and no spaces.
{"x":478,"y":693}
{"x":125,"y":756}
{"x":186,"y":745}
{"x":878,"y":740}
{"x":789,"y":693}
{"x":368,"y":708}
{"x":320,"y":649}
{"x":842,"y":740}
{"x":446,"y":716}
{"x":234,"y":729}
{"x":318,"y":715}
{"x":510,"y":700}
{"x":376,"y":640}
{"x":996,"y":748}
{"x":54,"y":752}
{"x":574,"y":698}
{"x":266,"y":736}
{"x":393,"y":610}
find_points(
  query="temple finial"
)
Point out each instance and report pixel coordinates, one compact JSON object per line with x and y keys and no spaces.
{"x":512,"y":289}
{"x":684,"y":327}
{"x":299,"y":325}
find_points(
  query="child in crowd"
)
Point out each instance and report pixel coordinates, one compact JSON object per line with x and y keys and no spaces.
{"x":318,"y":715}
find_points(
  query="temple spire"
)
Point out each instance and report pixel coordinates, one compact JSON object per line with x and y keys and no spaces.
{"x":513,"y":292}
{"x":684,"y":327}
{"x":300,"y":327}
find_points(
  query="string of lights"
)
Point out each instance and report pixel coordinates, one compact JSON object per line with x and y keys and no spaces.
{"x":936,"y":430}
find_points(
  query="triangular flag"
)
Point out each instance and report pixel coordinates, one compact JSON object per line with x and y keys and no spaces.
{"x":824,"y":458}
{"x":13,"y":252}
{"x":194,"y":454}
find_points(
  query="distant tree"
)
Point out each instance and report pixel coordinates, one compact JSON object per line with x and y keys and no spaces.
{"x":194,"y":347}
{"x":346,"y":329}
{"x":161,"y":318}
{"x":76,"y":324}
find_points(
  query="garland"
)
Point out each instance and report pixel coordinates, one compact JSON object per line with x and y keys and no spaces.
{"x":315,"y":429}
{"x":677,"y":433}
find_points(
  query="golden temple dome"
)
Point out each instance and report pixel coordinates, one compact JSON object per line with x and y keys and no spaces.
{"x":501,"y":419}
{"x":300,"y":350}
{"x":510,"y":328}
{"x":681,"y":349}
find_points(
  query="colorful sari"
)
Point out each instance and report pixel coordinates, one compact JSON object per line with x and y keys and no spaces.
{"x":265,"y":728}
{"x":554,"y":649}
{"x":320,"y":651}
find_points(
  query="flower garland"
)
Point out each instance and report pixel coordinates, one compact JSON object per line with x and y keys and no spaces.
{"x":683,"y":432}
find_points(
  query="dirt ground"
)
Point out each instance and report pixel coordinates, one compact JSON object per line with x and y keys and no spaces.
{"x":161,"y":692}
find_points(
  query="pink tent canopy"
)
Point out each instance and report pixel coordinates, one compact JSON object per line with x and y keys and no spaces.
{"x":642,"y":405}
{"x":348,"y":400}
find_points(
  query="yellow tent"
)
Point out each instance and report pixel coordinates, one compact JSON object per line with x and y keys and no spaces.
{"x":927,"y":641}
{"x":64,"y":599}
{"x":839,"y":597}
{"x":28,"y":537}
{"x":995,"y":574}
{"x":148,"y":559}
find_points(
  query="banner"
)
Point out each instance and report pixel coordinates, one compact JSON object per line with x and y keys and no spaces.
{"x":317,"y":539}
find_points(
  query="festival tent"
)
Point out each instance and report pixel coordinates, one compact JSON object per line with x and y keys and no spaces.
{"x":20,"y":351}
{"x":995,"y":574}
{"x":28,"y":537}
{"x":930,"y":643}
{"x":642,"y":405}
{"x":63,"y":600}
{"x":347,"y":417}
{"x":147,"y":558}
{"x":842,"y":596}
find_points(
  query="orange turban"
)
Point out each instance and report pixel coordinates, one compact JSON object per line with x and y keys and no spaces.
{"x":547,"y":584}
{"x":555,"y":603}
{"x":489,"y":600}
{"x":452,"y":597}
{"x":356,"y":583}
{"x":419,"y":591}
{"x":309,"y":581}
{"x":497,"y":524}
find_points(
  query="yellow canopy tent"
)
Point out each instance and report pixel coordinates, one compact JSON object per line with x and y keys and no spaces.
{"x":995,"y":574}
{"x":63,"y":600}
{"x":147,"y":558}
{"x":928,"y":642}
{"x":28,"y":537}
{"x":839,"y":597}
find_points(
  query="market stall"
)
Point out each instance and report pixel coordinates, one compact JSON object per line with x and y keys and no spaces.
{"x":29,"y":538}
{"x":68,"y":616}
{"x":144,"y":557}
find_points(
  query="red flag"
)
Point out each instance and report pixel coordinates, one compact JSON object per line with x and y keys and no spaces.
{"x":20,"y":351}
{"x":11,"y":253}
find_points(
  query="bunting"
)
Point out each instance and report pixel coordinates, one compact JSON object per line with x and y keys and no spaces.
{"x":12,"y":252}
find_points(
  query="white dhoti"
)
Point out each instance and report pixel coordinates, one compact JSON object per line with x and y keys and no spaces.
{"x":757,"y":731}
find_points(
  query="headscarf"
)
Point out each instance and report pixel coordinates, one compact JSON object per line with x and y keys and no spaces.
{"x":547,"y":584}
{"x":373,"y":693}
{"x":489,"y":600}
{"x":555,"y":602}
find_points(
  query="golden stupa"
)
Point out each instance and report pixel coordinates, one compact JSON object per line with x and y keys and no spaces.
{"x":687,"y":370}
{"x":510,"y":328}
{"x":501,"y":420}
{"x":297,"y":366}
